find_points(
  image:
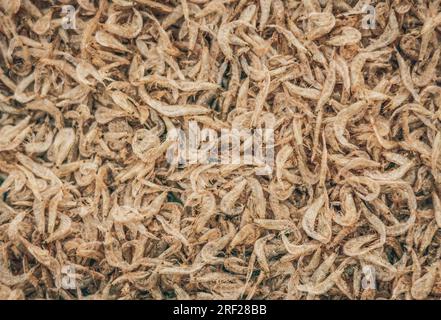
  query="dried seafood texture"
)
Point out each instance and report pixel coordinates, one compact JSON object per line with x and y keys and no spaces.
{"x":92,"y":92}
